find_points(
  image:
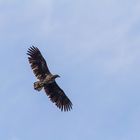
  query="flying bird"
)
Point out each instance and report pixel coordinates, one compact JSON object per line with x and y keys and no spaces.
{"x":46,"y":80}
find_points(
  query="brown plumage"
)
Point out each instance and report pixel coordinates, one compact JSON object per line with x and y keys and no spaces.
{"x":47,"y":80}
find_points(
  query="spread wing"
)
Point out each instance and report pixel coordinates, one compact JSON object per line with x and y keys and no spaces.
{"x":57,"y":96}
{"x":38,"y":63}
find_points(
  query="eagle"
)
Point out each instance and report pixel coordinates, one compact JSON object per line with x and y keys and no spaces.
{"x":46,"y":80}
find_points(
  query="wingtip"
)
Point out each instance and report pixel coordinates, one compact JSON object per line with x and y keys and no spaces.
{"x":31,"y":50}
{"x":32,"y":47}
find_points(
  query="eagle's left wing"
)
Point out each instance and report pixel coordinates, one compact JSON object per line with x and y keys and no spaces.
{"x":57,"y":96}
{"x":38,"y":63}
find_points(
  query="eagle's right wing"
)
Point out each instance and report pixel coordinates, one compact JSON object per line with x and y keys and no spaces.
{"x":38,"y":63}
{"x":57,"y":96}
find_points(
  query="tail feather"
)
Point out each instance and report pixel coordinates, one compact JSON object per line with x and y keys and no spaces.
{"x":38,"y":85}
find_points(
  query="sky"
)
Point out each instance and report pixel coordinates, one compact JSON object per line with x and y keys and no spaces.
{"x":94,"y":46}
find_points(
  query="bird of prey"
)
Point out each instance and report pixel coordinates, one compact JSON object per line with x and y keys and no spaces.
{"x":46,"y":80}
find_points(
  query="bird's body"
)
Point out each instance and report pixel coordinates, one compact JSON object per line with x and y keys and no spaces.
{"x":46,"y":80}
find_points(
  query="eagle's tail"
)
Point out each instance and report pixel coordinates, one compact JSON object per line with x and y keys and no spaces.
{"x":38,"y":85}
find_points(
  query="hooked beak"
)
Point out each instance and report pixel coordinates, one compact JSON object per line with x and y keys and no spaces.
{"x":56,"y":76}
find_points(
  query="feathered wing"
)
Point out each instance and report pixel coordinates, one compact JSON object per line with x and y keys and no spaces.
{"x":38,"y":63}
{"x":57,"y":96}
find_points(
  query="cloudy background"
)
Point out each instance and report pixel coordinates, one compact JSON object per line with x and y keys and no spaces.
{"x":94,"y":46}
